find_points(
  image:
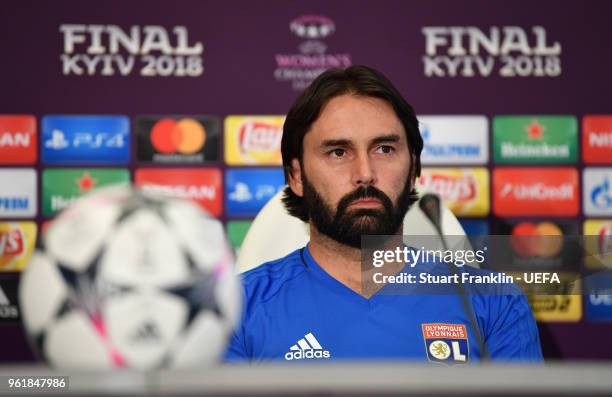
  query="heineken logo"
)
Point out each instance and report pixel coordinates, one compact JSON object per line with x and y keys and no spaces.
{"x":534,"y":130}
{"x":61,"y":187}
{"x":535,"y":139}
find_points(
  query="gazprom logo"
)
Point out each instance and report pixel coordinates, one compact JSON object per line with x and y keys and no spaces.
{"x":597,"y":191}
{"x":454,"y":139}
{"x":85,"y":139}
{"x":18,"y":193}
{"x":14,"y":203}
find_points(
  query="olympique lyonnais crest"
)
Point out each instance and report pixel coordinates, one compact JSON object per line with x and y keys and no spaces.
{"x":446,"y":343}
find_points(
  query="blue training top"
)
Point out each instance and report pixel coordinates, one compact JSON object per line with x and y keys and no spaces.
{"x":295,"y":311}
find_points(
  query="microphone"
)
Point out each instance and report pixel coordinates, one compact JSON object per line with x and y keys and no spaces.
{"x":430,"y":206}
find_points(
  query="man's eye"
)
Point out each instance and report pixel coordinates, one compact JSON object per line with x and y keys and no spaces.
{"x":338,"y":152}
{"x":386,"y":149}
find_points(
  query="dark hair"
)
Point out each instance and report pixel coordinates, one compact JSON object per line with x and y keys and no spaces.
{"x":357,"y":80}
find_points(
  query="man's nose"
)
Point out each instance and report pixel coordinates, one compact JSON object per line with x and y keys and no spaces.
{"x":364,"y":172}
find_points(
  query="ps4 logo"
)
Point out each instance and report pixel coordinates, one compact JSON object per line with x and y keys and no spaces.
{"x":90,"y":140}
{"x":85,"y":139}
{"x":242,"y":193}
{"x":248,"y":190}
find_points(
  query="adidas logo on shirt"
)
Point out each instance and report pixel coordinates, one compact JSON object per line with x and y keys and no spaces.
{"x":307,"y":348}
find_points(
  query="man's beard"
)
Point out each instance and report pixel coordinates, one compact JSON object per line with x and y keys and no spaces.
{"x":347,"y":227}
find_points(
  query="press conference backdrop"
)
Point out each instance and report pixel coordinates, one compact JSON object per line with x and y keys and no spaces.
{"x":187,"y":98}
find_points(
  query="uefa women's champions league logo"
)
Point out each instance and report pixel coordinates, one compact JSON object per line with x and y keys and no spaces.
{"x":313,"y":59}
{"x":312,"y":26}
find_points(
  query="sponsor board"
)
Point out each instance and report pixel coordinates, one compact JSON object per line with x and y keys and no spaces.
{"x":554,"y":302}
{"x":597,"y":191}
{"x":536,"y":245}
{"x":18,"y":198}
{"x":464,"y":190}
{"x":599,"y":299}
{"x":17,"y":242}
{"x":454,"y":140}
{"x":9,"y":309}
{"x":177,"y":140}
{"x":18,"y":139}
{"x":598,"y":243}
{"x":236,"y":232}
{"x":535,"y":139}
{"x":67,"y":139}
{"x":599,"y":307}
{"x":597,"y":139}
{"x":300,"y":68}
{"x":535,"y":191}
{"x":248,"y":190}
{"x":446,"y":343}
{"x":202,"y":185}
{"x":556,"y":308}
{"x":62,"y":186}
{"x":253,"y":140}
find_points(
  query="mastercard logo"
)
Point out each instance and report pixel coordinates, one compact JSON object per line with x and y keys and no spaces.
{"x":186,"y":136}
{"x":543,"y":239}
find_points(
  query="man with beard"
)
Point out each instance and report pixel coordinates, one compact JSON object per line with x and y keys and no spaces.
{"x":351,"y":153}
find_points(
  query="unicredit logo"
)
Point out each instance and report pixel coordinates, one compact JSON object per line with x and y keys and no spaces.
{"x":259,"y":136}
{"x":312,"y":26}
{"x":538,"y":191}
{"x":185,"y":136}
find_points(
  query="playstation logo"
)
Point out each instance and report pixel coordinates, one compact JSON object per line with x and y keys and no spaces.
{"x":57,"y":140}
{"x":241,"y":193}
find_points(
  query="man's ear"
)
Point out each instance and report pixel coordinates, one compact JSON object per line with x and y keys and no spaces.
{"x":295,"y":178}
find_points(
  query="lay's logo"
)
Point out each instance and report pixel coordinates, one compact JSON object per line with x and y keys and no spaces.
{"x":17,"y":241}
{"x":259,"y":136}
{"x":11,"y":243}
{"x":459,"y":189}
{"x":464,"y":191}
{"x":253,"y":140}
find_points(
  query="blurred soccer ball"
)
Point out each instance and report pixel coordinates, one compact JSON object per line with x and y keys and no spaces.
{"x":130,"y":280}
